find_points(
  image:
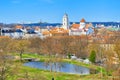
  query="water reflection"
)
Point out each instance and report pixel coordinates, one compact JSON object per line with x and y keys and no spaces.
{"x":59,"y":67}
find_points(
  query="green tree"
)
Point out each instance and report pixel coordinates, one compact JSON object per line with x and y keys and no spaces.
{"x":92,"y":57}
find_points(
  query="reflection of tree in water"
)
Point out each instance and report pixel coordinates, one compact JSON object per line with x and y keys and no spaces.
{"x":78,"y":69}
{"x":60,"y":66}
{"x":65,"y":67}
{"x":55,"y":66}
{"x":46,"y":64}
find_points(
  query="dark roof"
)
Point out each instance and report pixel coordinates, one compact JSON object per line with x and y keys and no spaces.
{"x":7,"y":31}
{"x":18,"y":30}
{"x":31,"y":31}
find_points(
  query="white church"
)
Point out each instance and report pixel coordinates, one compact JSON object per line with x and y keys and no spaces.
{"x":77,"y":29}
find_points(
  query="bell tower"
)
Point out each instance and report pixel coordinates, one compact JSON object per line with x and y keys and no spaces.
{"x":82,"y":23}
{"x":65,"y":21}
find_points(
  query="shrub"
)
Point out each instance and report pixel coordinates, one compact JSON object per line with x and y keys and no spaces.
{"x":92,"y":57}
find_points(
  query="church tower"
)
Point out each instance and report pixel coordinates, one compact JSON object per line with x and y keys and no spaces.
{"x":65,"y":21}
{"x":82,"y":23}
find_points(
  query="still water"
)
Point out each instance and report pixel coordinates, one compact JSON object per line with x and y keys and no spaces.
{"x":59,"y":67}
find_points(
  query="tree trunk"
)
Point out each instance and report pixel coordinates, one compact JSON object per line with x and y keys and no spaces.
{"x":21,"y":56}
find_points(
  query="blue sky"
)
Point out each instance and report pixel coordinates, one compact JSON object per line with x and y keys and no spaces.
{"x":12,"y":11}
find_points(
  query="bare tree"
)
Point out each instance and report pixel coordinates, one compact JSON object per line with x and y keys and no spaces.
{"x":20,"y":46}
{"x":5,"y":58}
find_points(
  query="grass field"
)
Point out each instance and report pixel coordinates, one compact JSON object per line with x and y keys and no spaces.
{"x":21,"y":72}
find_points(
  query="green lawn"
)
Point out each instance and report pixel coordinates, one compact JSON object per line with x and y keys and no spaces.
{"x":27,"y":73}
{"x":36,"y":74}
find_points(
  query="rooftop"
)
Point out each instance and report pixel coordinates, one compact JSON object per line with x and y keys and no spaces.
{"x":82,"y":20}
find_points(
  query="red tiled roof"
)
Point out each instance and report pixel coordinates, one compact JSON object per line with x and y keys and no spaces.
{"x":4,"y":37}
{"x":46,"y":33}
{"x":76,"y":26}
{"x":58,"y":30}
{"x":18,"y":27}
{"x":82,"y":20}
{"x":37,"y":28}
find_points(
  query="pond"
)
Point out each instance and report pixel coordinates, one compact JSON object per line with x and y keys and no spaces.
{"x":59,"y":67}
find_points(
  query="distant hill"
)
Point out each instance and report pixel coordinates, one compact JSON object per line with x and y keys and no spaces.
{"x":44,"y":25}
{"x":103,"y":23}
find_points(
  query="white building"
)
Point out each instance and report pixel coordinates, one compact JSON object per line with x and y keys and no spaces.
{"x":78,"y":29}
{"x":82,"y":24}
{"x":65,"y":21}
{"x":81,"y":29}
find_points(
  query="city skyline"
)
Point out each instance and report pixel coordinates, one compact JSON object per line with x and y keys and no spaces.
{"x":52,"y":11}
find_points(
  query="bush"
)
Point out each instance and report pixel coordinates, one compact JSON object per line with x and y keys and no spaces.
{"x":92,"y":57}
{"x":69,"y":56}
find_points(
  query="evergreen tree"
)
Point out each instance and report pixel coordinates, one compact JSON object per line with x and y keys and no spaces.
{"x":92,"y":57}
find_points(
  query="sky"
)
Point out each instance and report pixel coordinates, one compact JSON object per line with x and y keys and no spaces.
{"x":52,"y":11}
